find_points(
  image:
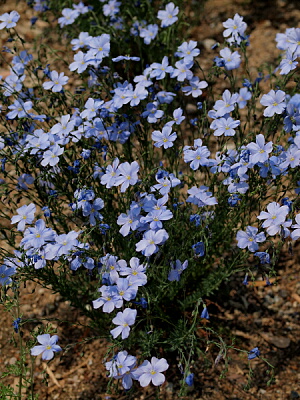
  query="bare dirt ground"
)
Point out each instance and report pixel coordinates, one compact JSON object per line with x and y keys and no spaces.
{"x":256,"y":315}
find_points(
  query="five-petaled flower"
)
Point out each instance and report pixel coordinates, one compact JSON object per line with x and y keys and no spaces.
{"x":57,"y":82}
{"x":151,"y":372}
{"x":47,"y":346}
{"x":250,"y":238}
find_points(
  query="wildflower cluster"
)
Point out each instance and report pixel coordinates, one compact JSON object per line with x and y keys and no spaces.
{"x":121,"y":194}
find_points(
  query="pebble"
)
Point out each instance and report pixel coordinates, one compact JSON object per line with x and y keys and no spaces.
{"x":170,"y":387}
{"x":208,"y":43}
{"x":283,"y":293}
{"x":12,"y":360}
{"x":191,"y":108}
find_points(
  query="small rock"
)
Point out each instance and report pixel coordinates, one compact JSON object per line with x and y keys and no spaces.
{"x":191,"y":108}
{"x":26,"y":308}
{"x":268,"y":300}
{"x":277,"y":299}
{"x":283,"y":293}
{"x":170,"y":387}
{"x":208,"y":43}
{"x":12,"y":360}
{"x":281,"y":342}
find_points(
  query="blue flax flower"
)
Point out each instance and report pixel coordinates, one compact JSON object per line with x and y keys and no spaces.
{"x":253,"y":353}
{"x":5,"y":274}
{"x":16,"y":324}
{"x":189,"y":380}
{"x":274,"y":101}
{"x":169,"y":15}
{"x":204,"y":313}
{"x":250,"y":238}
{"x":199,"y":249}
{"x":176,"y":269}
{"x":124,"y":320}
{"x":47,"y":346}
{"x":263,"y":257}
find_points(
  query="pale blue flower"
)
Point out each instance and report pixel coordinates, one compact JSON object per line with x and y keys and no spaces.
{"x":159,"y":70}
{"x":151,"y":372}
{"x":224,"y":126}
{"x":195,"y":87}
{"x":296,"y":233}
{"x":25,"y":216}
{"x":231,"y":60}
{"x":151,"y":239}
{"x":124,"y":320}
{"x":121,"y":367}
{"x":135,"y":273}
{"x":5,"y":274}
{"x":19,"y":109}
{"x":51,"y":157}
{"x":110,"y":299}
{"x":9,"y":20}
{"x":288,"y":63}
{"x":176,"y":270}
{"x":259,"y":150}
{"x":37,"y":236}
{"x":169,"y":15}
{"x":80,"y":62}
{"x":187,"y":51}
{"x":68,"y":18}
{"x":276,"y":215}
{"x":149,"y":33}
{"x":164,"y":138}
{"x":274,"y":101}
{"x":182,"y":70}
{"x":127,"y":175}
{"x":226,"y":105}
{"x":235,"y":29}
{"x":57,"y":81}
{"x":47,"y":346}
{"x":82,"y":41}
{"x":250,"y":238}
